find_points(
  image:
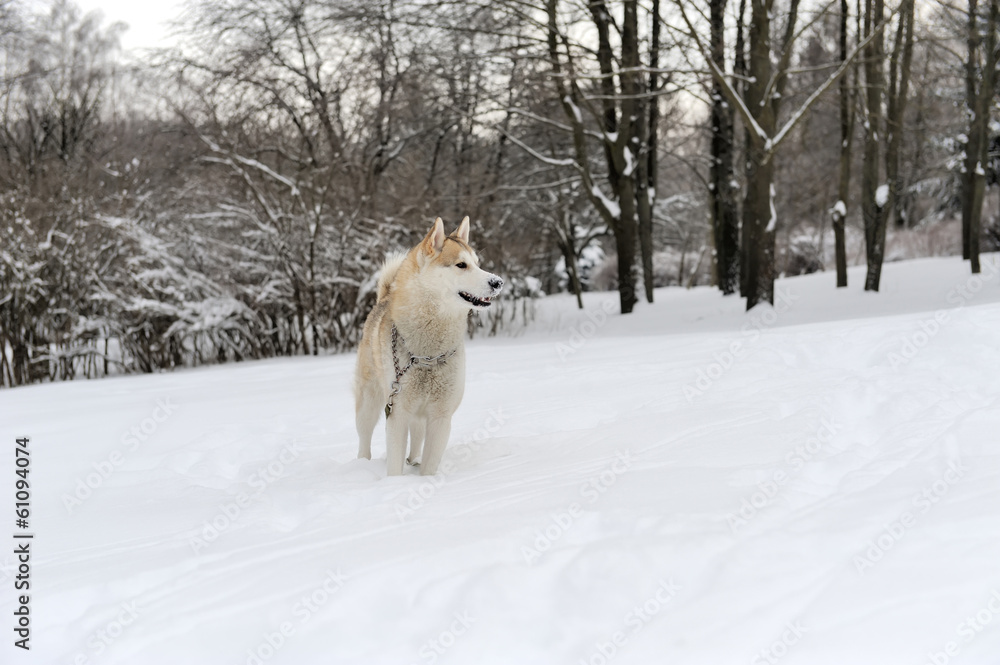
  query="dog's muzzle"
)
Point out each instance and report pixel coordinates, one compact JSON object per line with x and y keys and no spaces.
{"x":475,"y":300}
{"x":495,"y":284}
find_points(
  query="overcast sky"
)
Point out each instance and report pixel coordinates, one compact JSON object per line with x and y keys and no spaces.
{"x":146,"y":19}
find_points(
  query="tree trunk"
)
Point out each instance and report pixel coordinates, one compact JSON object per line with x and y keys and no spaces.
{"x":740,"y":72}
{"x":574,"y":278}
{"x":980,"y":102}
{"x":972,"y":143}
{"x":899,"y":82}
{"x":846,"y":138}
{"x":628,"y":142}
{"x":621,"y":218}
{"x":299,"y":315}
{"x":646,"y":176}
{"x":874,"y":200}
{"x":605,"y":58}
{"x":759,"y":218}
{"x":759,"y":229}
{"x":644,"y":211}
{"x":725,"y":222}
{"x":567,"y":244}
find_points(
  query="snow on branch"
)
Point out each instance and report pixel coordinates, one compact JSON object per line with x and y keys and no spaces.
{"x":253,"y":163}
{"x":826,"y":85}
{"x":732,"y":96}
{"x":610,"y":206}
{"x":537,"y":155}
{"x":550,"y":122}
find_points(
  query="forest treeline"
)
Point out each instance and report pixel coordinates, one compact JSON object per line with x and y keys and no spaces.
{"x":231,"y":197}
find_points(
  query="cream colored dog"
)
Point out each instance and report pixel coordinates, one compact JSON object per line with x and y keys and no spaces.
{"x":411,"y":361}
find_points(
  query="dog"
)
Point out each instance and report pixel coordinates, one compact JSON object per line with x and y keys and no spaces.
{"x":411,"y":360}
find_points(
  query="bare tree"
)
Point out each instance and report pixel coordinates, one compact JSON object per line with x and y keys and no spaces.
{"x":723,"y":186}
{"x":758,"y":107}
{"x":624,"y":133}
{"x":980,"y":82}
{"x":57,"y":69}
{"x":847,"y":94}
{"x":649,"y":161}
{"x":883,"y":131}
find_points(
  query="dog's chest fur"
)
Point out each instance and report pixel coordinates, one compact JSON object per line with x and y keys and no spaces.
{"x":429,"y":386}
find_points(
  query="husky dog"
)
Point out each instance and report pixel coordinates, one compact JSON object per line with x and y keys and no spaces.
{"x":411,"y":361}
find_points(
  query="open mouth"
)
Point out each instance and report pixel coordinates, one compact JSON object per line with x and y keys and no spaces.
{"x":477,"y":302}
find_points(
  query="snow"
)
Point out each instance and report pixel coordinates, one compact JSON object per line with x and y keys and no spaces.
{"x":690,"y":483}
{"x":612,"y":206}
{"x":233,"y":158}
{"x":772,"y":223}
{"x":576,"y":109}
{"x":630,"y":163}
{"x":882,"y":195}
{"x":840,"y":209}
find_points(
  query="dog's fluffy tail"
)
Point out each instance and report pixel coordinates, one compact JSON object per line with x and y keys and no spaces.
{"x":388,"y":273}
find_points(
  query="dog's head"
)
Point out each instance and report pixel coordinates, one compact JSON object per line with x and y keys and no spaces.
{"x":452,"y":266}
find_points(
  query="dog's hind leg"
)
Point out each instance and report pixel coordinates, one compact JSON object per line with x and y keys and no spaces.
{"x":366,"y":414}
{"x":438,"y":431}
{"x":395,"y":443}
{"x":417,"y":430}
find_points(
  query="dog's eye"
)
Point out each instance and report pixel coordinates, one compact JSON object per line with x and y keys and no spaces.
{"x":461,"y":265}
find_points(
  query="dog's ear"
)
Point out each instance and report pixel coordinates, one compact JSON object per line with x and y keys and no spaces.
{"x":462,"y":232}
{"x":433,"y":242}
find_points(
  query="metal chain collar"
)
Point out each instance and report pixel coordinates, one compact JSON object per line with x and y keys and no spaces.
{"x":426,"y":361}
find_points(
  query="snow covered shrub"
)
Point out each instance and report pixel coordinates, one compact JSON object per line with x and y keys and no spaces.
{"x":590,"y":260}
{"x":23,"y":298}
{"x":671,"y":267}
{"x":932,"y":237}
{"x":605,"y":274}
{"x":64,"y":294}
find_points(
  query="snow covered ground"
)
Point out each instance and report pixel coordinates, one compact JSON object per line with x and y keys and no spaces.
{"x":814,"y":483}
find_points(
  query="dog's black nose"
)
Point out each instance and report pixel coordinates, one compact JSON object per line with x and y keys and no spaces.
{"x":496,"y":283}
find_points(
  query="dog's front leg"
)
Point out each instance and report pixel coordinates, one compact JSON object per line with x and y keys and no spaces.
{"x":438,"y":431}
{"x":396,"y":428}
